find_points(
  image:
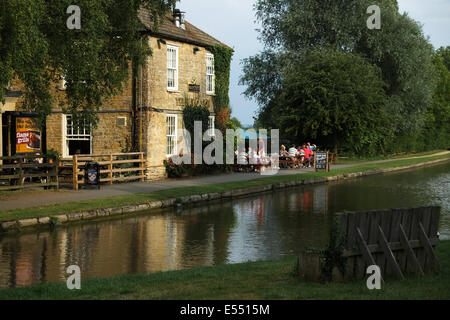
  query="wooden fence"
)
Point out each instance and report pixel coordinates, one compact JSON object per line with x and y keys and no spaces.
{"x":28,"y":171}
{"x":115,"y":167}
{"x":399,"y":241}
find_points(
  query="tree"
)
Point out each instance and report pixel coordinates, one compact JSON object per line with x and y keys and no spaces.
{"x":291,"y":29}
{"x":337,"y":98}
{"x":436,"y":131}
{"x":444,"y":53}
{"x":37,"y":47}
{"x":234,"y":123}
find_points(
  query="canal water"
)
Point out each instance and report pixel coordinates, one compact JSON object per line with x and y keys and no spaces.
{"x":262,"y":227}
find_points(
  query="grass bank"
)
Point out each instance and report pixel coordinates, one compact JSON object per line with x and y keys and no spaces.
{"x":136,"y":199}
{"x":356,"y":159}
{"x":271,"y":280}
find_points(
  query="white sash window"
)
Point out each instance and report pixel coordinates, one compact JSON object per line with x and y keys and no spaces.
{"x":76,"y":139}
{"x":210,"y":74}
{"x":171,"y":135}
{"x":172,"y":68}
{"x":211,"y":126}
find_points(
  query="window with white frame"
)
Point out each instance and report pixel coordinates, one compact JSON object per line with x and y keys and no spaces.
{"x":63,"y":83}
{"x":210,"y":74}
{"x":211,"y":126}
{"x":76,"y":139}
{"x":172,"y":68}
{"x":171,"y":135}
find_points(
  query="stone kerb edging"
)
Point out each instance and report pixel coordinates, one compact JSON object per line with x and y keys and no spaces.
{"x":16,"y":225}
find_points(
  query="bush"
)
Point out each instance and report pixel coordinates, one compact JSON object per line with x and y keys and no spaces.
{"x":174,"y":170}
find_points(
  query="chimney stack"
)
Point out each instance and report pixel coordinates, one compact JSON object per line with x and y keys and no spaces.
{"x":182,"y":24}
{"x":178,"y":18}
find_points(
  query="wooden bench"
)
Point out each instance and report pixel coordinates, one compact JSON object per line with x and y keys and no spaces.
{"x":399,"y":241}
{"x":21,"y":172}
{"x":288,"y":162}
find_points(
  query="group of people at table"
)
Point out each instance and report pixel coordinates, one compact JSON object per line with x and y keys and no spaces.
{"x":301,"y":157}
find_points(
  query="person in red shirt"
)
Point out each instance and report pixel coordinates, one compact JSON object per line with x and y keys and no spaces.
{"x":308,"y":154}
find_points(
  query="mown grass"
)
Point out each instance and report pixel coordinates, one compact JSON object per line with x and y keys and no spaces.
{"x":256,"y":280}
{"x":140,"y":198}
{"x":352,"y":159}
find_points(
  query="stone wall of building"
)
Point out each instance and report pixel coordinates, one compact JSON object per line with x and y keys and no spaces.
{"x":55,"y":132}
{"x":162,"y":102}
{"x":109,"y":136}
{"x":191,"y":69}
{"x":155,"y":102}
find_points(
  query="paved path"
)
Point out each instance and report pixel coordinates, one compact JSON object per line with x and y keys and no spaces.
{"x":42,"y":198}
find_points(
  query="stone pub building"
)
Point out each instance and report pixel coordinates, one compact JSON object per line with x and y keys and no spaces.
{"x":148,"y":112}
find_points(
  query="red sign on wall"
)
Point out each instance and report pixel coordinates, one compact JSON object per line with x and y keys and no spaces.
{"x":28,"y":136}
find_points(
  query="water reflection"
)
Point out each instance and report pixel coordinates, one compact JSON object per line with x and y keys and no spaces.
{"x":263,"y":227}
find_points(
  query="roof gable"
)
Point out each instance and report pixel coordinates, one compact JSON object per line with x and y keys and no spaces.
{"x":168,"y":29}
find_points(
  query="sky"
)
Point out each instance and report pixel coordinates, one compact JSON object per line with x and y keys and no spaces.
{"x":233,"y":23}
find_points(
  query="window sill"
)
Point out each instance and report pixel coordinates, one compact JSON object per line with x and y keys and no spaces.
{"x":210,"y":94}
{"x":173,"y":91}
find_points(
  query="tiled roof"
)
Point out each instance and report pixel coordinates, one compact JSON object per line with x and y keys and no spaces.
{"x":168,"y":30}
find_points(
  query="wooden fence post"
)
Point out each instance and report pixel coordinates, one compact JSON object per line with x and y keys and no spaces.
{"x":56,"y":162}
{"x":75,"y":172}
{"x":141,"y":166}
{"x":110,"y":168}
{"x":315,"y":159}
{"x":21,"y":173}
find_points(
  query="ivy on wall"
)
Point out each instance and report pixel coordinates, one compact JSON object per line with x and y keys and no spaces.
{"x":195,"y":113}
{"x":222,"y":66}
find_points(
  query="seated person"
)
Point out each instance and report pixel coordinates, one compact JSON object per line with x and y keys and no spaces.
{"x":256,"y":160}
{"x":249,"y":153}
{"x":293,"y":152}
{"x":301,"y":156}
{"x":284,"y":152}
{"x":312,"y":147}
{"x":242,"y":159}
{"x":241,"y":156}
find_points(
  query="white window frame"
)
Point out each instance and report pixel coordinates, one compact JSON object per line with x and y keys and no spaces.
{"x":212,"y":126}
{"x":63,"y":83}
{"x":210,"y":75}
{"x":68,"y":137}
{"x":174,"y":136}
{"x":173,"y":68}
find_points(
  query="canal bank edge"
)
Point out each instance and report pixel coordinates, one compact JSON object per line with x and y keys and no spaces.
{"x":98,"y":214}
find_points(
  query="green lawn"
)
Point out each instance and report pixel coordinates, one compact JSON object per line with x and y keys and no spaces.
{"x":179,"y":192}
{"x":257,"y":280}
{"x":352,"y":159}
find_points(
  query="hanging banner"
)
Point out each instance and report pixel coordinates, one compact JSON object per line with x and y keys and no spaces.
{"x":28,"y":136}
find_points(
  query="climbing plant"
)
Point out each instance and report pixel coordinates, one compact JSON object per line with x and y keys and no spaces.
{"x":191,"y":114}
{"x":222,"y":63}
